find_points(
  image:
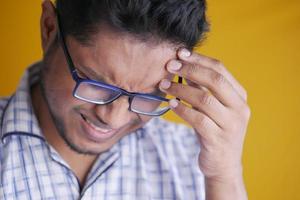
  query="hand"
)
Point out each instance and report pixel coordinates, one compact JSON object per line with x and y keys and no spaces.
{"x":219,"y":112}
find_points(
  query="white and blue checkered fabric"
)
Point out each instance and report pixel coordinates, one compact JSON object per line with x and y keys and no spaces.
{"x":158,"y":161}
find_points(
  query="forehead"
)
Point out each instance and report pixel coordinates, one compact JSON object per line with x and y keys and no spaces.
{"x":126,"y":61}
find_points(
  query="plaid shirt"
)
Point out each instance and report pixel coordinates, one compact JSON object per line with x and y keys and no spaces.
{"x":158,"y":161}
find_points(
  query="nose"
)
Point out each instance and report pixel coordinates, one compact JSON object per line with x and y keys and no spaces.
{"x":115,"y":114}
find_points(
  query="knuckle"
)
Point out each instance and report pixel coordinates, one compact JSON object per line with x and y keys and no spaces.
{"x":175,"y":88}
{"x":218,"y":65}
{"x":245,"y":94}
{"x":183,"y":110}
{"x":217,"y":79}
{"x":198,"y":59}
{"x":192,"y":69}
{"x":247,"y":112}
{"x":206,"y":98}
{"x":242,"y":116}
{"x":202,"y":122}
{"x":235,"y":126}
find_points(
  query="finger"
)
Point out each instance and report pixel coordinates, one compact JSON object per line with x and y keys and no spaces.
{"x":214,"y":64}
{"x":214,"y":81}
{"x":196,"y":86}
{"x":204,"y":126}
{"x":199,"y":99}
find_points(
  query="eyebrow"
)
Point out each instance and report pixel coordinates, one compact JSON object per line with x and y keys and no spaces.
{"x":90,"y":72}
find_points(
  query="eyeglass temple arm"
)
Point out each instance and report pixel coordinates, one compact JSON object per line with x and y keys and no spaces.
{"x":65,"y":49}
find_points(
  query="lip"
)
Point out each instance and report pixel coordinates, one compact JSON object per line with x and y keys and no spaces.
{"x":96,"y":135}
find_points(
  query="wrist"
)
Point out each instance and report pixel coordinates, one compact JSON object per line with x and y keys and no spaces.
{"x":224,"y":180}
{"x":228,"y":186}
{"x":225,"y":174}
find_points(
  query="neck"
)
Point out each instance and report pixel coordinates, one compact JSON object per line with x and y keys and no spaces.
{"x":80,"y":164}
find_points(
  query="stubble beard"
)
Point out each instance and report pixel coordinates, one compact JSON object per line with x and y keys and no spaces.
{"x":58,"y":121}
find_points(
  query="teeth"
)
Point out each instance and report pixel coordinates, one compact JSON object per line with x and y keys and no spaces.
{"x":97,"y":128}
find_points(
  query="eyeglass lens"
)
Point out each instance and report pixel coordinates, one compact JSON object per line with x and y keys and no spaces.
{"x":99,"y":94}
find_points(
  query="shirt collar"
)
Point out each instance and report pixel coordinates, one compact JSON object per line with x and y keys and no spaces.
{"x":18,"y":117}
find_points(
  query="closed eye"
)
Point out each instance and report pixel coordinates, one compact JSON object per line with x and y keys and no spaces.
{"x":82,"y":75}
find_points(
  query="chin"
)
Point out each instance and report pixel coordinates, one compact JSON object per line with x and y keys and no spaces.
{"x":91,"y":141}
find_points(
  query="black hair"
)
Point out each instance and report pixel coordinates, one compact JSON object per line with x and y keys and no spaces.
{"x":181,"y":22}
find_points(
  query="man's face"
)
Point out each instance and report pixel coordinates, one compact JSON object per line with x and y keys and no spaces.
{"x":114,"y":59}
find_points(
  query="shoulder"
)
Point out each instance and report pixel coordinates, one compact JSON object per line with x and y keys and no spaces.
{"x":3,"y":104}
{"x":4,"y":101}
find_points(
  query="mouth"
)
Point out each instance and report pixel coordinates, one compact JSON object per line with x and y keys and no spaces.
{"x":96,"y":133}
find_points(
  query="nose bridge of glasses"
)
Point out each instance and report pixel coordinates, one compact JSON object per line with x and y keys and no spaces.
{"x":117,"y":112}
{"x":121,"y":93}
{"x":128,"y":94}
{"x":120,"y":106}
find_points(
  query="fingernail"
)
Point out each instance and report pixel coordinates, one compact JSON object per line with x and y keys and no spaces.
{"x":165,"y":84}
{"x":184,"y":53}
{"x":174,"y":65}
{"x":173,"y":103}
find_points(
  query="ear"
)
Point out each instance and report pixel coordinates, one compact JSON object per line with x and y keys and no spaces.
{"x":48,"y":24}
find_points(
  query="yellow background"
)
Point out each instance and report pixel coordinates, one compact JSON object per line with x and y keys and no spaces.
{"x":258,"y":41}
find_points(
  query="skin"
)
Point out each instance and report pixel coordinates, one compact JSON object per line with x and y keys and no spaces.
{"x":219,"y":115}
{"x":219,"y":112}
{"x":60,"y":114}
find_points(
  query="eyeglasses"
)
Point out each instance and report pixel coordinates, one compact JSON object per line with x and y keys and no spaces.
{"x":102,"y":93}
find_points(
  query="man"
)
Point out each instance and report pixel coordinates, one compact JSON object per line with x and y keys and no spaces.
{"x":83,"y":123}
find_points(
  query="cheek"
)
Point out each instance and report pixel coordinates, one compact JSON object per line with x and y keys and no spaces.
{"x":60,"y":106}
{"x":58,"y":92}
{"x":136,"y":123}
{"x":145,"y":118}
{"x":142,"y":120}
